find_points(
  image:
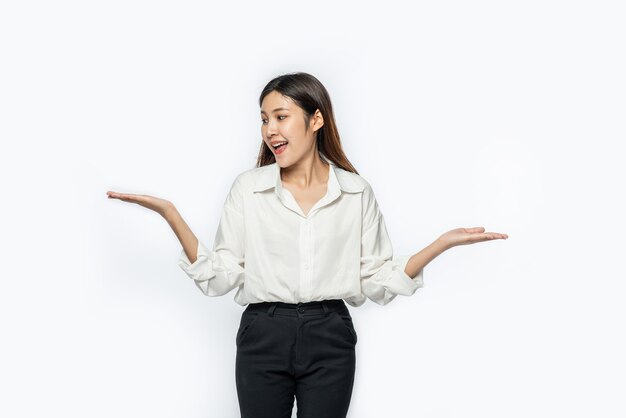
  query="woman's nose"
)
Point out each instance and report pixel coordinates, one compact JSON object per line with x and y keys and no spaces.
{"x":271,"y":128}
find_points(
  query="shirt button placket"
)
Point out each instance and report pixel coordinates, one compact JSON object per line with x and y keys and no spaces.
{"x":306,"y":257}
{"x":303,"y":291}
{"x":309,"y":263}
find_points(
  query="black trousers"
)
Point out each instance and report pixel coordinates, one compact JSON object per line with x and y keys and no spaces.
{"x":304,"y":350}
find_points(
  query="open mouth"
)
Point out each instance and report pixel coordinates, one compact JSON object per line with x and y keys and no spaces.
{"x":280,"y":147}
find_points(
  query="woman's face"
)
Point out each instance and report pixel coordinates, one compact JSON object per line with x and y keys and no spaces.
{"x":283,"y":121}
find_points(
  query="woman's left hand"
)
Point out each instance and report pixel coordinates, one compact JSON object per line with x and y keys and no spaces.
{"x":463,"y":236}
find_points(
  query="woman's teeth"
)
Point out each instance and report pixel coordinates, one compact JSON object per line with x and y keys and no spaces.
{"x":280,"y":148}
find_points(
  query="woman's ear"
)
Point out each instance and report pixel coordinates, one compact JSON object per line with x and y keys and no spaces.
{"x":318,"y":120}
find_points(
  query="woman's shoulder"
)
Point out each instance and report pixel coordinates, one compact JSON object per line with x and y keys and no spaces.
{"x":254,"y":172}
{"x":256,"y":177}
{"x":351,"y":181}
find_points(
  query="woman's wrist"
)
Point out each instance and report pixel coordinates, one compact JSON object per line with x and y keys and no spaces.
{"x":170,"y":213}
{"x":440,"y":245}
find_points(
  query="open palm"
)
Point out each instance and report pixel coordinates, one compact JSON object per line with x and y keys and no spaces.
{"x":464,"y":236}
{"x":161,"y":206}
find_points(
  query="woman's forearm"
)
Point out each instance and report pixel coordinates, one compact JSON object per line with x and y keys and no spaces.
{"x":419,"y":260}
{"x":184,"y":234}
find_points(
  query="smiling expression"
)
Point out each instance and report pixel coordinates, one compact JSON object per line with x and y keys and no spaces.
{"x":284,"y":121}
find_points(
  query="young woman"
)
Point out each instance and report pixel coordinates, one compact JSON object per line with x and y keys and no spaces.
{"x":300,"y":235}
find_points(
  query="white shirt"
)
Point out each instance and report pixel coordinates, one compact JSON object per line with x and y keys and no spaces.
{"x":271,"y":251}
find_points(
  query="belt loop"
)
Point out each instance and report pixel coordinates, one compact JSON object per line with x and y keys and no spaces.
{"x":325,"y":308}
{"x":271,"y":309}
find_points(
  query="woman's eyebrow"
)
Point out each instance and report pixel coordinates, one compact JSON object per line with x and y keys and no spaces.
{"x":276,"y":110}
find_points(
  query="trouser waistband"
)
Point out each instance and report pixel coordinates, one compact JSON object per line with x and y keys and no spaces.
{"x":295,"y":309}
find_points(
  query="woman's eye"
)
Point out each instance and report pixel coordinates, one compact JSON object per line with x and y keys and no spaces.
{"x":264,"y":121}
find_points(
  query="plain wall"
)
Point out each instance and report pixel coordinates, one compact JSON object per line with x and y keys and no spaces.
{"x":503,"y":115}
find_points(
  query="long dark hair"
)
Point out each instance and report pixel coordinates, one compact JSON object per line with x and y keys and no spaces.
{"x":309,"y":94}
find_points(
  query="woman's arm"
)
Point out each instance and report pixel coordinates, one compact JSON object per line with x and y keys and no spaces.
{"x":215,"y":272}
{"x":458,"y":236}
{"x":184,"y":234}
{"x":167,"y":210}
{"x":419,"y":260}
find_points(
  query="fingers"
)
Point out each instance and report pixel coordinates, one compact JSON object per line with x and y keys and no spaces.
{"x":475,"y":229}
{"x":479,"y":232}
{"x":486,"y":236}
{"x":495,"y":235}
{"x":115,"y":195}
{"x":124,"y":196}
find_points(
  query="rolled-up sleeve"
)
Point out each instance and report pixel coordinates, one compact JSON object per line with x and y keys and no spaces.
{"x":382,"y":275}
{"x":218,"y":271}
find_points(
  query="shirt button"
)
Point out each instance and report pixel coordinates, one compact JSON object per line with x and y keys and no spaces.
{"x":306,"y":265}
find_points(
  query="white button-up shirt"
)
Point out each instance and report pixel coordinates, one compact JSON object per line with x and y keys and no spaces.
{"x":271,"y":251}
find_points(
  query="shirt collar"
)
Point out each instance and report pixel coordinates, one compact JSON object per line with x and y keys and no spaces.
{"x":270,"y":177}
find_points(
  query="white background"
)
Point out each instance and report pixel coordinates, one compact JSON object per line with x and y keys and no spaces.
{"x":486,"y":113}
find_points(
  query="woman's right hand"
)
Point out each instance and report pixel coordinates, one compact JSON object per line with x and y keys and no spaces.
{"x":160,"y":206}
